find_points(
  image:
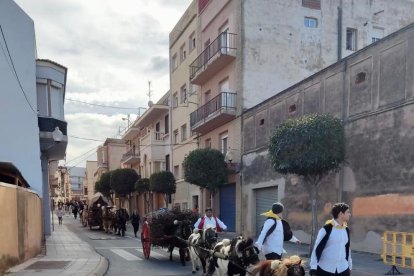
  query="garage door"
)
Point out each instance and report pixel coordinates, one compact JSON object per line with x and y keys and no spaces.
{"x":264,"y":199}
{"x":228,"y":206}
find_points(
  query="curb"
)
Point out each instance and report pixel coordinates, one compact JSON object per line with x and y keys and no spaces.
{"x":101,"y":268}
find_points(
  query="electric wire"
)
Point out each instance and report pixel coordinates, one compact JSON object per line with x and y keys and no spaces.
{"x":108,"y":106}
{"x":15,"y":73}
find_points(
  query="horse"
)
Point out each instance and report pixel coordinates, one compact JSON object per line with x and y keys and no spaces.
{"x":200,"y":243}
{"x":286,"y":267}
{"x":177,"y":235}
{"x":107,"y":218}
{"x":240,"y":253}
{"x":121,"y":218}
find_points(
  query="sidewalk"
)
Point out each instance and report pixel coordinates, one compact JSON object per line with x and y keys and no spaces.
{"x":66,"y":254}
{"x":364,"y":264}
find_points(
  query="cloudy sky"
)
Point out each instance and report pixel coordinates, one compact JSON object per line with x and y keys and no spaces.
{"x":111,"y":49}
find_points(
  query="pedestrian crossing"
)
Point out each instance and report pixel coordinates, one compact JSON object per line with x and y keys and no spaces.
{"x":137,"y":254}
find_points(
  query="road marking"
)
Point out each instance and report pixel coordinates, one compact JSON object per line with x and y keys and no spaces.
{"x":126,"y":255}
{"x":153,"y":254}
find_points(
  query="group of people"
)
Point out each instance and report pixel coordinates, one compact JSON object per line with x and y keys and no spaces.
{"x":331,"y":254}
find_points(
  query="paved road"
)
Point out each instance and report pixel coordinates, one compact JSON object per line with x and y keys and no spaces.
{"x":125,"y":253}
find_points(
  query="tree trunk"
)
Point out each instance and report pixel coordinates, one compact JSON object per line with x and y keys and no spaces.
{"x":315,"y":192}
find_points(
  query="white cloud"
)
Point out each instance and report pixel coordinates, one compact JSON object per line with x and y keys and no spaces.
{"x":111,"y":49}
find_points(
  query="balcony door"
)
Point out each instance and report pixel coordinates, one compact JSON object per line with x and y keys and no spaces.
{"x":226,"y":97}
{"x":224,"y":40}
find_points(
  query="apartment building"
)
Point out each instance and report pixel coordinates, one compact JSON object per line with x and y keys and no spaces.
{"x":183,"y":44}
{"x":76,"y":180}
{"x":148,"y":149}
{"x":90,"y":179}
{"x":251,"y":50}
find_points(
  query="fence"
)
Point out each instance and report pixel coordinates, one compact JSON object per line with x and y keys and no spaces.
{"x":398,"y":250}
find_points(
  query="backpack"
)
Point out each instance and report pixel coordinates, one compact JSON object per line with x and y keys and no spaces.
{"x":322,"y":243}
{"x":287,"y":232}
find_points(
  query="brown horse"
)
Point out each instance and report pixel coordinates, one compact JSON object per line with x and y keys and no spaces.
{"x":287,"y":267}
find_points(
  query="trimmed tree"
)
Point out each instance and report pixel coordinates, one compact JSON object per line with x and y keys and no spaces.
{"x":123,"y":182}
{"x":103,"y":185}
{"x":206,"y":168}
{"x":310,"y":146}
{"x":142,"y":187}
{"x":163,"y":182}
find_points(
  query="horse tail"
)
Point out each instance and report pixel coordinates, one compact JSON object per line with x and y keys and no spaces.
{"x":263,"y":268}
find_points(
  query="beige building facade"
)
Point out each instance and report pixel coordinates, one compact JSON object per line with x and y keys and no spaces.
{"x":90,"y":179}
{"x":251,"y":50}
{"x":183,"y":50}
{"x":148,"y":145}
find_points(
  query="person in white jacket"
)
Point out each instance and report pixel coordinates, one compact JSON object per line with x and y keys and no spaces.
{"x":274,"y":232}
{"x":331,"y":254}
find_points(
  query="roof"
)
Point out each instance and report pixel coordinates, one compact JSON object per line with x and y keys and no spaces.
{"x":9,"y":172}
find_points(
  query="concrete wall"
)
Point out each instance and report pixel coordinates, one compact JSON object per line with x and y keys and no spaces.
{"x":278,"y":50}
{"x":90,"y":179}
{"x":22,"y":215}
{"x":373,"y":92}
{"x":20,"y":131}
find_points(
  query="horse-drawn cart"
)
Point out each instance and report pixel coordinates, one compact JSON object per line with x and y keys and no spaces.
{"x":95,"y":211}
{"x":167,"y":228}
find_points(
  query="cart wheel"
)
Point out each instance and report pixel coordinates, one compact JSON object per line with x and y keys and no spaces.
{"x":146,"y":240}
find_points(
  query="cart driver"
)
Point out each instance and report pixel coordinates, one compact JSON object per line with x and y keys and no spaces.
{"x":210,"y":221}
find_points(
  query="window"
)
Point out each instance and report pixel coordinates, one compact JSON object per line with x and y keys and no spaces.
{"x":311,"y":22}
{"x":167,"y":124}
{"x":167,"y":162}
{"x":175,"y":100}
{"x":183,"y":132}
{"x":184,"y":205}
{"x":312,"y":4}
{"x":183,"y":93}
{"x":191,"y":42}
{"x":207,"y":144}
{"x":175,"y":138}
{"x":207,"y":97}
{"x":351,"y":39}
{"x":183,"y":53}
{"x":223,"y":143}
{"x":174,"y":62}
{"x":177,"y":172}
{"x":103,"y":155}
{"x":377,"y":34}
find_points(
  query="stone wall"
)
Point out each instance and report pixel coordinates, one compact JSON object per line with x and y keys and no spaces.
{"x":372,"y":91}
{"x":22,"y":232}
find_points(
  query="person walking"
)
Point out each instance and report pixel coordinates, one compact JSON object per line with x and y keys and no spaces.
{"x":274,"y":232}
{"x":60,"y":214}
{"x":210,"y":221}
{"x":75,"y":210}
{"x":331,"y":254}
{"x":135,"y":220}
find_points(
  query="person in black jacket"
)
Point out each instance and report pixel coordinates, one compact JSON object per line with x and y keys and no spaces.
{"x":331,"y":254}
{"x":135,"y":220}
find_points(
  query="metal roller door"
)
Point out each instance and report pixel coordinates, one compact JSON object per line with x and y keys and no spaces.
{"x":265,"y":197}
{"x":228,"y":206}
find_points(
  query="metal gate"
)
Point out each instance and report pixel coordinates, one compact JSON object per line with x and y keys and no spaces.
{"x":228,"y":206}
{"x":265,"y":197}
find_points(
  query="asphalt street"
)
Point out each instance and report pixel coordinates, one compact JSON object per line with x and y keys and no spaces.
{"x":125,"y":253}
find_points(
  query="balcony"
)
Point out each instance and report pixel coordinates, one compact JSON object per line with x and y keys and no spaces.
{"x":216,"y":112}
{"x":218,"y":54}
{"x":131,"y":157}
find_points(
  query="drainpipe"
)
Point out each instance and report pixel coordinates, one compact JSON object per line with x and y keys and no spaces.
{"x":45,"y":194}
{"x":339,"y":46}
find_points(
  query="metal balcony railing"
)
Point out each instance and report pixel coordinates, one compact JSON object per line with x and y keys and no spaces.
{"x":223,"y":44}
{"x":130,"y":153}
{"x":223,"y":101}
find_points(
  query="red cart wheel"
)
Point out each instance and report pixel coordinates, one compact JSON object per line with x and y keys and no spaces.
{"x":146,"y":240}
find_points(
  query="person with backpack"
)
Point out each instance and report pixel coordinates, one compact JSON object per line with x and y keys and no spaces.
{"x":331,"y":254}
{"x":210,"y":221}
{"x":274,"y":232}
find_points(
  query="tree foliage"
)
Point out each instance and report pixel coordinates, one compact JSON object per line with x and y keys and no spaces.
{"x":163,"y":182}
{"x":310,"y":146}
{"x":142,"y":185}
{"x":206,"y":168}
{"x":103,"y":185}
{"x":123,"y":181}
